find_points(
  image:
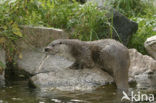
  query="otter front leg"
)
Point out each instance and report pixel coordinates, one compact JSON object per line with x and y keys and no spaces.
{"x":76,"y":65}
{"x":121,"y":77}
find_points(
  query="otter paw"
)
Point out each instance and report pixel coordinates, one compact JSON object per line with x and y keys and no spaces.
{"x":73,"y":67}
{"x":76,"y":66}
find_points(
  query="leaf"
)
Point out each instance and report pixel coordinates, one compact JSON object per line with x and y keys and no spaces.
{"x":4,"y":27}
{"x":11,"y":22}
{"x":20,"y":56}
{"x":2,"y":40}
{"x":2,"y":66}
{"x":16,"y":30}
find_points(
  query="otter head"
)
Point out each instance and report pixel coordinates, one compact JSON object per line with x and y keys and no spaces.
{"x":55,"y":47}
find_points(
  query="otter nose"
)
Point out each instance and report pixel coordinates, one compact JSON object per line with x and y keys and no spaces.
{"x":46,"y":49}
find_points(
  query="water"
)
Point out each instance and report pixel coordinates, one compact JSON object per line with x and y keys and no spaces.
{"x":19,"y":92}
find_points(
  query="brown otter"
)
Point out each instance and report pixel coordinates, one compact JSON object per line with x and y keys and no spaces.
{"x":108,"y":54}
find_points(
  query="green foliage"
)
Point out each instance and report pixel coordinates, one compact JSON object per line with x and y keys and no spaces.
{"x":87,"y":22}
{"x":145,"y":30}
{"x":90,"y":23}
{"x":8,"y":25}
{"x":9,"y":29}
{"x":134,"y":7}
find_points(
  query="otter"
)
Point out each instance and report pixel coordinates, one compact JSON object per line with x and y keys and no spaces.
{"x":107,"y":54}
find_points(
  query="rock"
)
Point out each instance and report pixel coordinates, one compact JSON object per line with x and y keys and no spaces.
{"x":124,"y":28}
{"x":142,"y":69}
{"x":52,"y":72}
{"x":140,"y":64}
{"x":100,"y":3}
{"x":154,"y":29}
{"x":38,"y":37}
{"x":70,"y":80}
{"x":2,"y":67}
{"x":81,"y":1}
{"x":150,"y":45}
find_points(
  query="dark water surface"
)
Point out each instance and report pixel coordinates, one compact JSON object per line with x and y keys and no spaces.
{"x":19,"y":92}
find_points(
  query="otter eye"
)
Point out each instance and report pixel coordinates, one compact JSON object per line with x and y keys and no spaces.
{"x":52,"y":45}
